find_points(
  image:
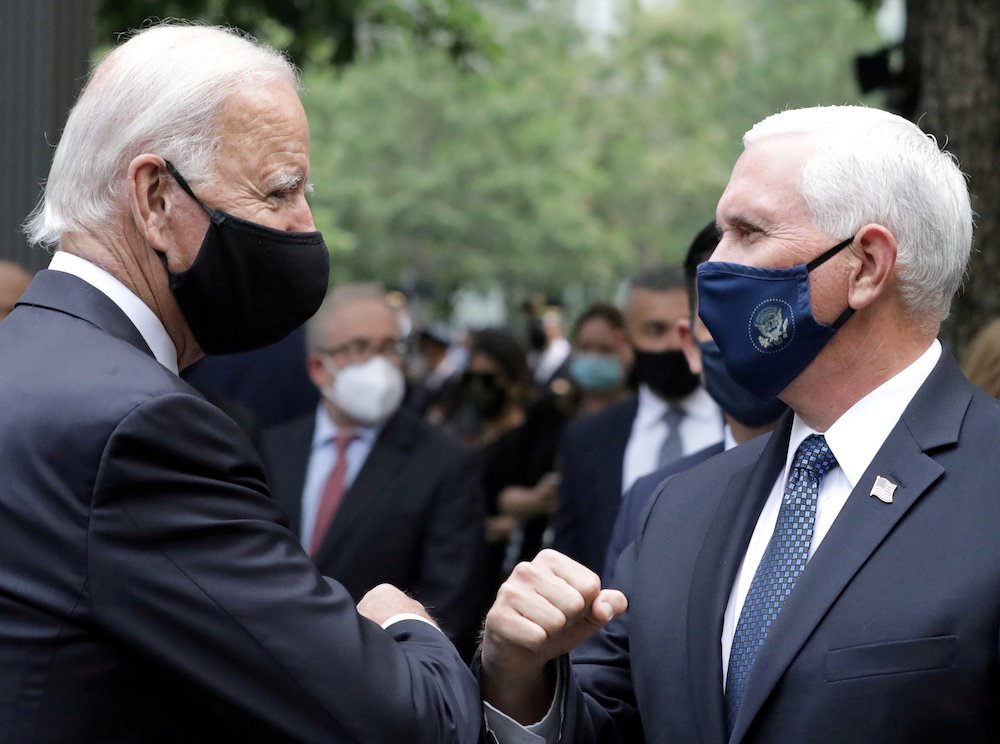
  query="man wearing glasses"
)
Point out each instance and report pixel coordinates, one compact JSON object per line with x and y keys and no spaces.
{"x":375,"y":494}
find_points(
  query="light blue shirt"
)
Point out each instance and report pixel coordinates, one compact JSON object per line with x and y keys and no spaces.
{"x":322,"y":458}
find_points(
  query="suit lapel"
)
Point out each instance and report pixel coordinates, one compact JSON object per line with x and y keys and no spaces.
{"x":65,"y":293}
{"x":296,"y":450}
{"x":614,"y":447}
{"x":715,"y":572}
{"x":933,"y":419}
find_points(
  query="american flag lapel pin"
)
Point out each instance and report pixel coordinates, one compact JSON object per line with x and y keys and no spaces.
{"x":883,"y":489}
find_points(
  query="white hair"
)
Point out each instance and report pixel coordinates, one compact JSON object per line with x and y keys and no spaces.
{"x":318,"y":326}
{"x":159,"y":92}
{"x":870,"y":166}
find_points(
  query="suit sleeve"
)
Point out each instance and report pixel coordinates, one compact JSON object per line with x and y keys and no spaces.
{"x":190,"y":567}
{"x":600,"y":705}
{"x":450,"y":574}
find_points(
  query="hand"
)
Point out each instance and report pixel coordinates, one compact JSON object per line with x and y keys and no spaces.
{"x":524,"y":503}
{"x":499,"y":528}
{"x":546,"y":608}
{"x":385,"y":600}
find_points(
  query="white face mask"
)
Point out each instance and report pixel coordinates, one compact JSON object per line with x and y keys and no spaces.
{"x":369,"y":392}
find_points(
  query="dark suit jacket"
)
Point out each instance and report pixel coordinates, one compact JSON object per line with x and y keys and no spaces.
{"x":591,"y":456}
{"x":891,"y":634}
{"x":636,"y":501}
{"x":413,"y":516}
{"x":149,"y":590}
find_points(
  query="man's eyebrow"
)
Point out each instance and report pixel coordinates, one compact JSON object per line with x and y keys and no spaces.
{"x":743,"y":221}
{"x":286,"y":181}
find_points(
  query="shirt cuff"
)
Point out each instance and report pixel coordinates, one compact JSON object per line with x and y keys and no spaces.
{"x":546,"y":731}
{"x":399,"y":617}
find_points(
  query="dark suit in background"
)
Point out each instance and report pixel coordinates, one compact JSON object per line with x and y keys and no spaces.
{"x":413,"y":517}
{"x":149,"y":590}
{"x":592,"y":454}
{"x":250,"y":379}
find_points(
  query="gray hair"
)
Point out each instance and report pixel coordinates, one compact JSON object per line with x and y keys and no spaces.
{"x":159,"y":92}
{"x":871,"y":166}
{"x":345,"y":294}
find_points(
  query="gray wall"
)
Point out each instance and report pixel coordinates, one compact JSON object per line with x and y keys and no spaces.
{"x":44,"y":57}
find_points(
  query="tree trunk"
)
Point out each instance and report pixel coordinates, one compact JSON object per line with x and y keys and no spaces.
{"x":955,"y":46}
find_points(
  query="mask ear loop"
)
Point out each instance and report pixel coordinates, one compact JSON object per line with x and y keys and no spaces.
{"x":819,"y":261}
{"x":187,"y":189}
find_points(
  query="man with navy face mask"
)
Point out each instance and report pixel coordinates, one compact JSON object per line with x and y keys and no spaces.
{"x":836,"y":581}
{"x":746,"y":415}
{"x":149,"y":588}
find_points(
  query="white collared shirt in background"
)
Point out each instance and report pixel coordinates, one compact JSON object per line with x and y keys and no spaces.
{"x":702,"y":426}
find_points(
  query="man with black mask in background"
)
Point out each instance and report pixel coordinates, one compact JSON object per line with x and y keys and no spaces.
{"x":672,"y":416}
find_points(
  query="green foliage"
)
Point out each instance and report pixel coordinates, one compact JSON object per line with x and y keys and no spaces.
{"x":319,"y":32}
{"x":462,"y":177}
{"x":564,"y":160}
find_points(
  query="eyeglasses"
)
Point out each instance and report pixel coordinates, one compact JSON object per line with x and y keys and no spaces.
{"x":363,"y":349}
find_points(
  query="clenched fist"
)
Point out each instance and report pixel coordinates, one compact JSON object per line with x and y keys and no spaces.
{"x":545,"y":609}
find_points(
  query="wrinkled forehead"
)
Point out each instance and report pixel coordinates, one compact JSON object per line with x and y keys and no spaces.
{"x":765,"y":185}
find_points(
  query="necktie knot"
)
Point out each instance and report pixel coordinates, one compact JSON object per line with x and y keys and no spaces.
{"x":342,"y":440}
{"x":814,"y":456}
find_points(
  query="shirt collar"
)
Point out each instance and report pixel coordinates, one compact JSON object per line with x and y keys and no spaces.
{"x":144,"y":319}
{"x":696,"y":405}
{"x":860,"y":432}
{"x":325,"y":430}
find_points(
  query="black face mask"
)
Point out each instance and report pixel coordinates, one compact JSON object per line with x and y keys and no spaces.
{"x":537,"y":339}
{"x":485,"y":395}
{"x":666,"y":372}
{"x":250,"y":285}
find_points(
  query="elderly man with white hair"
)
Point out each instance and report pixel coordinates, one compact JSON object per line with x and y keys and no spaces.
{"x":149,"y":590}
{"x":838,"y":581}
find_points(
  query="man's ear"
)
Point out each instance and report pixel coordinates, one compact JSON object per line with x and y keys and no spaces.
{"x":872,"y":274}
{"x":318,"y":372}
{"x":149,"y":199}
{"x":688,"y":345}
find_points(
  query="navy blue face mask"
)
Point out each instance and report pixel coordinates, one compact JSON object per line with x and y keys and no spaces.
{"x":734,"y":399}
{"x":762,"y":320}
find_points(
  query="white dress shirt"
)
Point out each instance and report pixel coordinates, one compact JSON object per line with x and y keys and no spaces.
{"x":854,"y":439}
{"x":701,"y":427}
{"x":144,"y":319}
{"x":551,"y":359}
